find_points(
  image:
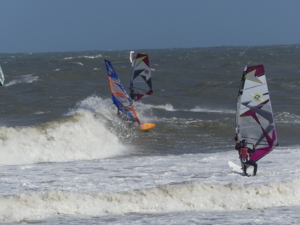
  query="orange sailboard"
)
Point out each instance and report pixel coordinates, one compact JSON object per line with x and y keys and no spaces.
{"x":121,"y":100}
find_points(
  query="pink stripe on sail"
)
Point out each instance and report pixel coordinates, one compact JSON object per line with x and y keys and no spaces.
{"x":261,"y":152}
{"x":259,"y":70}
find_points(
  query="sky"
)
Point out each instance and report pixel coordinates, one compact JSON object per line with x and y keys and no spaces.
{"x":81,"y":25}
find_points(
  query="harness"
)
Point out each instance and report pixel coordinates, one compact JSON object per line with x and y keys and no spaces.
{"x":244,"y":154}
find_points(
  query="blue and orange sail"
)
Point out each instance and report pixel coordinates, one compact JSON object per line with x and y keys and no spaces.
{"x":120,"y":98}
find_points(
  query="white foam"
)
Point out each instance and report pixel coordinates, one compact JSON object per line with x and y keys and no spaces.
{"x":169,"y":107}
{"x":78,"y":63}
{"x":22,"y":79}
{"x":164,"y":199}
{"x":200,"y":109}
{"x":153,"y":184}
{"x":286,"y":118}
{"x":80,"y":136}
{"x":84,"y":57}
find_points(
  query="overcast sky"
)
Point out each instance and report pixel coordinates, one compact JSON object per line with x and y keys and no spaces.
{"x":79,"y":25}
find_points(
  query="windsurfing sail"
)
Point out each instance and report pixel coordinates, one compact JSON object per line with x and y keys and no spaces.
{"x":140,"y":81}
{"x":2,"y":78}
{"x":132,"y":57}
{"x":119,"y":95}
{"x":254,"y":116}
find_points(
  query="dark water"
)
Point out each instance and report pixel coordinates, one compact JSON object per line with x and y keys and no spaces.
{"x":194,"y":96}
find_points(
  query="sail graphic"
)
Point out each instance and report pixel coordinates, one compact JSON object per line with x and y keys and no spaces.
{"x":119,"y":95}
{"x":2,"y":78}
{"x":254,"y":116}
{"x":140,"y":81}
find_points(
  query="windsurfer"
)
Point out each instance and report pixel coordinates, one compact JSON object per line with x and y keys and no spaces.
{"x":126,"y":117}
{"x":244,"y":153}
{"x":132,"y":94}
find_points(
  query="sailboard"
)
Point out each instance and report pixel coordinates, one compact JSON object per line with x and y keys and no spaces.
{"x":235,"y":168}
{"x":140,"y":80}
{"x":254,"y":115}
{"x":121,"y":100}
{"x":2,"y":78}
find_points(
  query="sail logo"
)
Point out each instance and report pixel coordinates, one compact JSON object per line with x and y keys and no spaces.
{"x":257,"y":97}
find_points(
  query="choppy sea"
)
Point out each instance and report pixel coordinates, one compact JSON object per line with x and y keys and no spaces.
{"x":66,"y":158}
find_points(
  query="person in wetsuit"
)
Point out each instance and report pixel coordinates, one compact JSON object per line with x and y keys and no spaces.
{"x":128,"y":119}
{"x":244,"y":154}
{"x":133,"y":95}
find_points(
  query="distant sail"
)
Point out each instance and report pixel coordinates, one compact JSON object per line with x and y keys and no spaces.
{"x":2,"y":78}
{"x":141,"y":81}
{"x":132,"y":57}
{"x":119,"y":95}
{"x":254,"y":116}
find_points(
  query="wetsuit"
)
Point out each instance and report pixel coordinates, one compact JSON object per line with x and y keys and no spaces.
{"x":126,"y":118}
{"x":133,"y":95}
{"x":244,"y":153}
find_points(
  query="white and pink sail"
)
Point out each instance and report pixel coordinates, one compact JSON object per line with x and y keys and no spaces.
{"x":254,"y":116}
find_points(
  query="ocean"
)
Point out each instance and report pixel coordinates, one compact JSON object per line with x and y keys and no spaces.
{"x":66,"y":158}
